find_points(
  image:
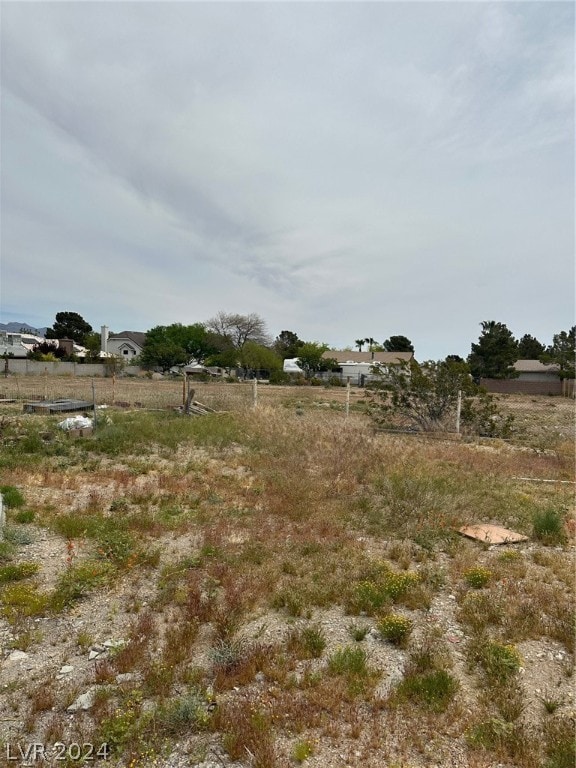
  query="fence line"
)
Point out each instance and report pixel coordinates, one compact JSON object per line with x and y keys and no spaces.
{"x":538,"y":420}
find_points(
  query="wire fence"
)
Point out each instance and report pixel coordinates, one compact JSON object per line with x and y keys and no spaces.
{"x":537,"y":420}
{"x":124,"y":392}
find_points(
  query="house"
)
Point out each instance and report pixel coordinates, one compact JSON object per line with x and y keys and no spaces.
{"x":18,"y":344}
{"x":534,"y":378}
{"x":127,"y":345}
{"x":534,"y":370}
{"x":358,"y":367}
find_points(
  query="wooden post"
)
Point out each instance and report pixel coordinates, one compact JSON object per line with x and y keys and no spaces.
{"x":189,"y":398}
{"x":458,"y":411}
{"x":347,"y":396}
{"x":94,"y":404}
{"x":255,"y":393}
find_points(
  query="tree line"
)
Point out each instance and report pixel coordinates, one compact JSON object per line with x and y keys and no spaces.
{"x":231,"y":340}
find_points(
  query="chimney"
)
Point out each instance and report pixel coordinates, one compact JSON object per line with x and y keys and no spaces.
{"x":104,"y":339}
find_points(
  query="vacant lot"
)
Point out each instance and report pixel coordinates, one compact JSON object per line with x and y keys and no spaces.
{"x":280,"y":585}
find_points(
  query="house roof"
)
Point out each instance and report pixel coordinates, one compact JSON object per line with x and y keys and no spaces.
{"x":535,"y":366}
{"x":367,"y":357}
{"x":136,"y":337}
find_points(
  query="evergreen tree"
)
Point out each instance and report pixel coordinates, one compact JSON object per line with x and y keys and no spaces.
{"x":69,"y":325}
{"x":494,"y":355}
{"x":530,"y":348}
{"x":398,"y":344}
{"x":562,"y":352}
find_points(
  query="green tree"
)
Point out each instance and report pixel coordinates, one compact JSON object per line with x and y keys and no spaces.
{"x":494,"y":355}
{"x":311,"y":358}
{"x":69,"y":325}
{"x":530,"y":348}
{"x":255,"y":358}
{"x":562,"y":352}
{"x":360,"y":343}
{"x":166,"y":346}
{"x":92,"y":343}
{"x":398,"y":344}
{"x":425,"y":397}
{"x":46,"y":351}
{"x":287,"y":344}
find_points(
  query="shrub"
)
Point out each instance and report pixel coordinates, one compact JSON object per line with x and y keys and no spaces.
{"x":302,"y":750}
{"x":115,"y":545}
{"x":183,"y":714}
{"x":227,"y":654}
{"x":357,"y":631}
{"x":477,"y":577}
{"x":78,"y":581}
{"x":548,"y":526}
{"x":23,"y":600}
{"x":247,"y":729}
{"x":25,"y":516}
{"x":17,"y":572}
{"x":11,"y":496}
{"x":559,"y":745}
{"x":308,"y":642}
{"x":434,"y":690}
{"x":17,"y":536}
{"x":388,"y":586}
{"x":395,"y":628}
{"x":500,"y":661}
{"x":349,"y":661}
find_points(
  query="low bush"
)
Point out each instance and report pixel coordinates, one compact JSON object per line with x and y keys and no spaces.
{"x":433,"y":690}
{"x":23,"y":599}
{"x":395,"y":628}
{"x":349,"y":661}
{"x":500,"y":661}
{"x":477,"y":577}
{"x":548,"y":526}
{"x":12,"y":498}
{"x":25,"y":516}
{"x":308,"y":642}
{"x":17,"y":572}
{"x":78,"y":581}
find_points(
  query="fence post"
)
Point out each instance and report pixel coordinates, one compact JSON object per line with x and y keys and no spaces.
{"x":458,"y":410}
{"x":347,"y":396}
{"x":255,"y":393}
{"x":94,"y":404}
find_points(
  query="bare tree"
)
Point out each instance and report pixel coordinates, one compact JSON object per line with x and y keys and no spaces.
{"x":238,"y":329}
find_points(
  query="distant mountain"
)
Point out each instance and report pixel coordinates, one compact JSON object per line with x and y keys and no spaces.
{"x":17,"y":327}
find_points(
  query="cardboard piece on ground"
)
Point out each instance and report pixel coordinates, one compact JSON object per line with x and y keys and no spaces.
{"x":491,"y":534}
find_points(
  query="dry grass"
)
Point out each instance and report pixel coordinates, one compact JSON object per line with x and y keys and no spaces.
{"x":268,"y":543}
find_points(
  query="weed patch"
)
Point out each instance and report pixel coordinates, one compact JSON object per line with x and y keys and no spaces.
{"x":432,"y":690}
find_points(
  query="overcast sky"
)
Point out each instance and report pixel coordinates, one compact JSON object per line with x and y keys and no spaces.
{"x":343,"y":169}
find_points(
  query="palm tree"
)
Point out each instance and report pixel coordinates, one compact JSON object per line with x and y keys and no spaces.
{"x":371,"y":342}
{"x":359,"y":343}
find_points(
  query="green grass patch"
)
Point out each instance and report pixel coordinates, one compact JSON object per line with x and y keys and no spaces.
{"x":22,"y":600}
{"x":78,"y":581}
{"x":17,"y":572}
{"x":11,"y":496}
{"x":432,"y":690}
{"x":548,"y":526}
